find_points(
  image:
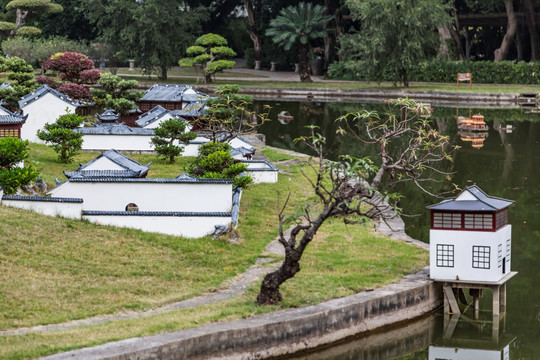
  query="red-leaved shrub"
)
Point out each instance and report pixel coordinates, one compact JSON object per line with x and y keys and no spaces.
{"x":75,"y":91}
{"x":90,"y":76}
{"x":45,"y":80}
{"x":69,"y":65}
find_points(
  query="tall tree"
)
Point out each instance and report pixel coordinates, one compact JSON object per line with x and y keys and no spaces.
{"x":511,"y":30}
{"x":27,"y":8}
{"x":299,"y":25}
{"x":153,"y":32}
{"x":210,"y":53}
{"x":395,"y":34}
{"x":356,"y":189}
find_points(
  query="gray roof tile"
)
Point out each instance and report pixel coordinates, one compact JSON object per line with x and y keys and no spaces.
{"x":481,"y":202}
{"x":41,"y":198}
{"x":45,"y":89}
{"x":131,"y":167}
{"x":155,"y":213}
{"x":113,"y":129}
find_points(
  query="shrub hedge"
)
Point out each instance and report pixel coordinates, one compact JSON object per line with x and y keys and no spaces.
{"x":486,"y":72}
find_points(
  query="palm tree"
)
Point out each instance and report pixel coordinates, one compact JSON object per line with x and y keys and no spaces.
{"x":299,"y":25}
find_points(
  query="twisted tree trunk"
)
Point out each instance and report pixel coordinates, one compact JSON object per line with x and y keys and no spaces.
{"x":251,"y":29}
{"x":511,"y":29}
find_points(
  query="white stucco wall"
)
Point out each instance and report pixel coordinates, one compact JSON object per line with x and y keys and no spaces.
{"x":463,"y":242}
{"x":454,"y":353}
{"x":189,"y":227}
{"x":236,"y":143}
{"x":156,"y":123}
{"x":261,"y":172}
{"x":149,"y":196}
{"x":66,"y":210}
{"x":46,"y":109}
{"x":130,"y":143}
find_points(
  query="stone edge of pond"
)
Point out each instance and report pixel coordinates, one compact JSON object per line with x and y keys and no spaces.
{"x":283,"y":332}
{"x":320,"y":94}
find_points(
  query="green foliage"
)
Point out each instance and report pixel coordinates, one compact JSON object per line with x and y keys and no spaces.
{"x":216,"y":162}
{"x":62,"y":138}
{"x":170,"y":138}
{"x":485,"y":72}
{"x":209,"y":52}
{"x":116,"y":93}
{"x":298,"y":26}
{"x":22,"y":74}
{"x":28,"y":31}
{"x":34,"y":5}
{"x":153,"y":32}
{"x":12,"y":177}
{"x":6,"y":26}
{"x":395,"y":35}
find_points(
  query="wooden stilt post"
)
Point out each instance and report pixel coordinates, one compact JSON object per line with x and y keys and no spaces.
{"x":476,"y":304}
{"x":496,"y":301}
{"x":450,"y":299}
{"x":503,"y":297}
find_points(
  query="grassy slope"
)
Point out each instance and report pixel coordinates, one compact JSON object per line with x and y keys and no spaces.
{"x":53,"y":270}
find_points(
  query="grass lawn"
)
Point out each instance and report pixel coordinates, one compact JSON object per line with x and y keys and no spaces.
{"x":53,"y":270}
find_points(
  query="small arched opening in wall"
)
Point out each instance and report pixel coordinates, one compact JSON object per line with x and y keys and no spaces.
{"x":132,"y":207}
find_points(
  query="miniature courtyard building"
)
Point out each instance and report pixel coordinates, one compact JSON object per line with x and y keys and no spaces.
{"x":171,"y":97}
{"x":110,"y":164}
{"x":45,"y":105}
{"x":153,"y":118}
{"x":470,"y":238}
{"x":470,"y":247}
{"x":10,"y":123}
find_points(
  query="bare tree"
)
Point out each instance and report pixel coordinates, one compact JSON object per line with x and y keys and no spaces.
{"x":353,"y":188}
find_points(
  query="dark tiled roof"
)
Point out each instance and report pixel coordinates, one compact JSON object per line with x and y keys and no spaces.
{"x":155,"y":180}
{"x":5,"y":85}
{"x":108,"y":116}
{"x":12,"y":119}
{"x":163,"y":92}
{"x":242,"y":151}
{"x":270,"y":166}
{"x":480,"y":202}
{"x":131,"y":167}
{"x":45,"y":89}
{"x":42,"y":198}
{"x":155,"y":213}
{"x":114,"y":129}
{"x":102,"y":174}
{"x":150,"y":116}
{"x":193,"y":109}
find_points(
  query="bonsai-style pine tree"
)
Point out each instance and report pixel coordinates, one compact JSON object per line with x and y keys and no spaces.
{"x":170,"y":135}
{"x":116,"y":93}
{"x":12,"y":177}
{"x":209,"y":53}
{"x":62,"y":138}
{"x":22,"y":76}
{"x":25,"y":9}
{"x":299,"y":25}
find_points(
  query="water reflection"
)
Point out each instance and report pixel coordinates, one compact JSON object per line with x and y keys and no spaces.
{"x":507,"y":166}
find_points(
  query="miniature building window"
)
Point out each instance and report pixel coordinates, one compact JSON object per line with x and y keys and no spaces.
{"x":481,"y":256}
{"x":508,"y":246}
{"x":447,"y":220}
{"x":501,"y":218}
{"x":132,"y":207}
{"x":445,"y":255}
{"x":9,"y":133}
{"x":499,"y":255}
{"x":478,"y":221}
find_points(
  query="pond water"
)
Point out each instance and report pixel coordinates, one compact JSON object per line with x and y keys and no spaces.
{"x":503,"y":164}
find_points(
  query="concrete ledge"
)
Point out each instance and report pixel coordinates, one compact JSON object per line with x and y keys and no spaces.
{"x":284,"y":332}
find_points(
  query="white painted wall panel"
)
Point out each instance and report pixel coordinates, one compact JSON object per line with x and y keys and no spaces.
{"x":46,"y":109}
{"x":463,"y":242}
{"x":454,"y":353}
{"x":189,"y":227}
{"x":111,"y":196}
{"x":103,"y":164}
{"x":66,"y":210}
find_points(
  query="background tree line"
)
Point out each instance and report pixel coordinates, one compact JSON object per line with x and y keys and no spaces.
{"x":156,"y":33}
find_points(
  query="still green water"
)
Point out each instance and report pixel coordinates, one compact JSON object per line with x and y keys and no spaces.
{"x":504,"y":164}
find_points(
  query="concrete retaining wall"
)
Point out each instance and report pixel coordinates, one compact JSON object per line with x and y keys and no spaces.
{"x":284,"y":332}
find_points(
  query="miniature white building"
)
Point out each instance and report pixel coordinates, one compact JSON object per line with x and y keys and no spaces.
{"x":261,"y":171}
{"x":110,"y":164}
{"x":470,"y":238}
{"x":153,"y":118}
{"x":45,"y":105}
{"x":462,"y":353}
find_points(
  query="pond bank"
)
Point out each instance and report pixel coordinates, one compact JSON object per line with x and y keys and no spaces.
{"x":369,"y":96}
{"x":282,"y":332}
{"x":289,"y":331}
